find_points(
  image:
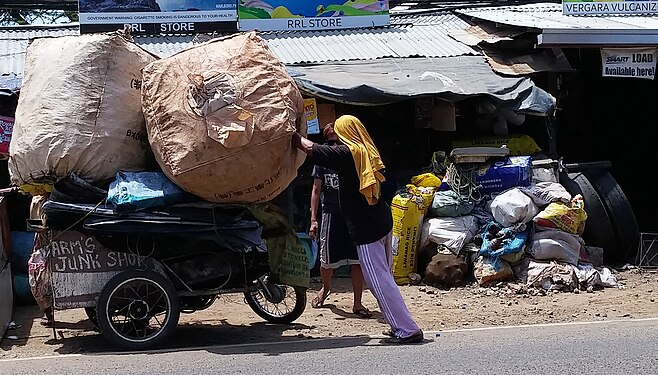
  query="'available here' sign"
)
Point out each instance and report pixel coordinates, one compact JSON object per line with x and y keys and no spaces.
{"x":629,"y":62}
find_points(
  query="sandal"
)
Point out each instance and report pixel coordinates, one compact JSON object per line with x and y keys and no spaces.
{"x":46,"y":321}
{"x":389,"y":333}
{"x":318,"y":301}
{"x":363,"y":313}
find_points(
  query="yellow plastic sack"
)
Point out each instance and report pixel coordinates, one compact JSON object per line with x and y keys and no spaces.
{"x":408,"y":212}
{"x":427,"y":193}
{"x":564,"y":217}
{"x":36,"y":188}
{"x":519,"y":145}
{"x":426,"y":180}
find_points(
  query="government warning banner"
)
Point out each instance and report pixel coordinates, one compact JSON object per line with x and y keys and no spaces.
{"x":158,"y":16}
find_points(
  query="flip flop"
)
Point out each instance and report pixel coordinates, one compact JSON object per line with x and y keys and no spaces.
{"x":389,"y":333}
{"x":318,"y":302}
{"x":363,"y":313}
{"x":46,"y":322}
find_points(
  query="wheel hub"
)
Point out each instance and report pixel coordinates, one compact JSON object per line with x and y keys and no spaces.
{"x":277,"y":293}
{"x":138,"y":310}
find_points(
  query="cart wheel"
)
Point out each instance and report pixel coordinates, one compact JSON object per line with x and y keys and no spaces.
{"x":138,"y":310}
{"x":91,"y":314}
{"x":284,"y":305}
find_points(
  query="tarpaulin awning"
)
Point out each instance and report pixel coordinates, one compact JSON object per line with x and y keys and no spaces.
{"x":389,"y":80}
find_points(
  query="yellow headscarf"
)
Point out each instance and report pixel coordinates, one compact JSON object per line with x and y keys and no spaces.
{"x":367,"y":161}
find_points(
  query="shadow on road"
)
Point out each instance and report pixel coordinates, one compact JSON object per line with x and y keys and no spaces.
{"x":24,"y":317}
{"x":284,"y":347}
{"x":200,"y":335}
{"x":350,"y":315}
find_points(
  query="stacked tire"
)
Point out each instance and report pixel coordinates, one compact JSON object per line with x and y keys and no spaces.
{"x":611,"y":223}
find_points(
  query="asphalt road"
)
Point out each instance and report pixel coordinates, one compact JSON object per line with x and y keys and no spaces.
{"x":618,"y":347}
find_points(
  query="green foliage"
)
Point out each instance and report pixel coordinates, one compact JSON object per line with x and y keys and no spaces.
{"x":15,"y":16}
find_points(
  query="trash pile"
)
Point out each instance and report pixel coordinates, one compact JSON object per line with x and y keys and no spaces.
{"x":486,"y":215}
{"x":105,"y":128}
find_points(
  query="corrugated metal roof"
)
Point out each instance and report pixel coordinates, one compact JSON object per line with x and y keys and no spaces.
{"x":549,"y":16}
{"x":14,"y":40}
{"x":419,"y":35}
{"x":446,"y":21}
{"x":164,"y":46}
{"x":408,"y":36}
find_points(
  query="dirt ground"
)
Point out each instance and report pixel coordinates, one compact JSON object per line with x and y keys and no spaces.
{"x":230,"y":321}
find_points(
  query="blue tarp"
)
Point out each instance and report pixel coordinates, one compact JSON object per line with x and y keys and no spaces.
{"x":132,"y":191}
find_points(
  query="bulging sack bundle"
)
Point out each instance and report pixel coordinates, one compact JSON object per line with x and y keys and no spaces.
{"x":79,"y":110}
{"x":220,"y":118}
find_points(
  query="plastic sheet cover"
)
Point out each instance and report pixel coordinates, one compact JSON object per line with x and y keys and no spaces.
{"x":382,"y":81}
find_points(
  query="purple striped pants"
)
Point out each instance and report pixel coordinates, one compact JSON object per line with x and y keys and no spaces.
{"x":376,"y":262}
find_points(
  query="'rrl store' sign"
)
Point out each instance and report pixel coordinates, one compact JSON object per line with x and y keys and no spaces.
{"x":206,"y":16}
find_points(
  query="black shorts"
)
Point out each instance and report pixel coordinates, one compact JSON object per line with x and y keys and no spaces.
{"x":336,"y":246}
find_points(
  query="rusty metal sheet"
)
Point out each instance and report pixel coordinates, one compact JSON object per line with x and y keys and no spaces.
{"x":485,"y":33}
{"x":544,"y":60}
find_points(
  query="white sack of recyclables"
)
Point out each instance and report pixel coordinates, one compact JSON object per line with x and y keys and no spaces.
{"x":590,"y":276}
{"x":513,"y":208}
{"x":553,"y":244}
{"x":547,"y":274}
{"x":452,"y":232}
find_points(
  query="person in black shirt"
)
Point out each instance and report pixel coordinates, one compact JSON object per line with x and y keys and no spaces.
{"x":336,"y":247}
{"x":358,"y":165}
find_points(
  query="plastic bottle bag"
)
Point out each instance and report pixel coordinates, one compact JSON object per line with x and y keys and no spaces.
{"x":513,"y":208}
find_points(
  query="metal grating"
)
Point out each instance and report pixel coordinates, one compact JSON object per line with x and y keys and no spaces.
{"x":647,"y":255}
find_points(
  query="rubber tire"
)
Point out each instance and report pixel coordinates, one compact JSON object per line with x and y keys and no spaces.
{"x":599,"y":230}
{"x":620,"y":211}
{"x":92,"y":315}
{"x":104,"y":322}
{"x":300,"y":306}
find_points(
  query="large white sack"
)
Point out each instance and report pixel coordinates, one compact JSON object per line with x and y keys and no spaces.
{"x":556,"y":245}
{"x":79,"y":109}
{"x":513,"y":208}
{"x":452,"y":232}
{"x":220,"y":119}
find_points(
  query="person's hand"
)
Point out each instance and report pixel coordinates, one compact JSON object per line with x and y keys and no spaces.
{"x":298,"y":141}
{"x":313,"y":231}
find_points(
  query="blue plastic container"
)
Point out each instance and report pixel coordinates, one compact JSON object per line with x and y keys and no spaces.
{"x":22,"y":291}
{"x":22,"y":244}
